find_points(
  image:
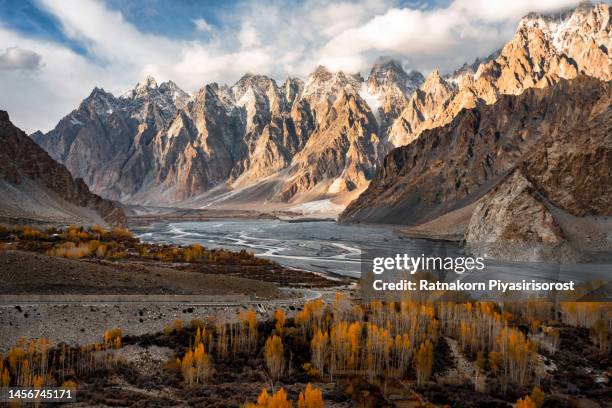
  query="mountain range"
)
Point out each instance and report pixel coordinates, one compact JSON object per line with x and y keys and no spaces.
{"x":403,"y":148}
{"x":258,"y":141}
{"x":157,"y":145}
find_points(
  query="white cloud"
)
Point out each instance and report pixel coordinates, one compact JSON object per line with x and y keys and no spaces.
{"x":258,"y":36}
{"x":202,"y":25}
{"x":498,"y":11}
{"x":441,"y":37}
{"x":248,"y":36}
{"x":15,"y":58}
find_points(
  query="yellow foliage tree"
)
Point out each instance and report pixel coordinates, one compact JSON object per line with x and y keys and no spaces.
{"x":311,"y":398}
{"x":525,"y":402}
{"x":424,"y":362}
{"x":537,"y":396}
{"x":318,"y":350}
{"x":279,"y":318}
{"x":274,"y":352}
{"x":276,"y":400}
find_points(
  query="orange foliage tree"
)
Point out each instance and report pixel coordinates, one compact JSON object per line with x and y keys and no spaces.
{"x":274,"y":358}
{"x":311,"y":398}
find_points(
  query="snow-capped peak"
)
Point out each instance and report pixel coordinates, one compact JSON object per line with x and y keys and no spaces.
{"x":388,"y":75}
{"x":148,"y":83}
{"x":559,"y":28}
{"x":324,"y":84}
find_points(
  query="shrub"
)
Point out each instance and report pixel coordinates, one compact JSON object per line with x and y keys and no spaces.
{"x":71,"y":250}
{"x":122,"y":234}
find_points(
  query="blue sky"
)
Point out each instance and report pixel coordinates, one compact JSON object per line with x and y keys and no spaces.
{"x":52,"y":52}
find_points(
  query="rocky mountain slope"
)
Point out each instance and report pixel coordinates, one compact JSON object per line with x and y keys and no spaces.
{"x":544,"y":49}
{"x":34,"y":187}
{"x":537,"y":166}
{"x":451,"y":166}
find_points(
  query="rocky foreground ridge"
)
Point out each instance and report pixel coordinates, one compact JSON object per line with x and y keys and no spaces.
{"x":34,"y":187}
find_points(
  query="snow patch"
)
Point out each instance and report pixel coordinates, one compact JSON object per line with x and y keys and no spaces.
{"x":372,"y":100}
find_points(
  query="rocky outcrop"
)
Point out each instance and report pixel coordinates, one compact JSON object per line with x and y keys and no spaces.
{"x":452,"y":166}
{"x":510,"y":216}
{"x":28,"y":172}
{"x":572,"y":169}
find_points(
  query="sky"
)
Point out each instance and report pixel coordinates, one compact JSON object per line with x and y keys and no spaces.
{"x":54,"y":52}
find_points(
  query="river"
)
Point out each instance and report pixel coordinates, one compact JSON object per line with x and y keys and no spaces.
{"x":318,"y":246}
{"x":333,"y":249}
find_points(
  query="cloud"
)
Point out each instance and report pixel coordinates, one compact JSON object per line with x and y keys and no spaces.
{"x":441,"y":37}
{"x":279,"y":39}
{"x":201,"y":25}
{"x":15,"y":58}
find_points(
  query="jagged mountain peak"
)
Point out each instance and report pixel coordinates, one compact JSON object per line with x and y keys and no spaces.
{"x":321,"y":73}
{"x":255,"y":87}
{"x":435,"y":82}
{"x":563,"y":28}
{"x":534,"y":18}
{"x":101,"y":102}
{"x":292,"y":89}
{"x":172,"y":90}
{"x":98,"y":92}
{"x":385,"y":67}
{"x":324,"y":74}
{"x":252,"y":78}
{"x":324,"y":85}
{"x":471,"y":69}
{"x":149,"y":87}
{"x":148,"y":83}
{"x":389,"y":72}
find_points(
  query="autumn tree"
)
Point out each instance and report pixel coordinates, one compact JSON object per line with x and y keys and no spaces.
{"x":480,"y":376}
{"x":310,"y":317}
{"x":279,"y":320}
{"x":244,"y":333}
{"x":274,"y":353}
{"x":319,"y":350}
{"x":424,"y":362}
{"x":399,"y":359}
{"x":525,"y":402}
{"x":537,"y":396}
{"x":276,"y":400}
{"x":517,"y":355}
{"x":344,"y":346}
{"x":311,"y":398}
{"x":222,"y":343}
{"x":600,"y":336}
